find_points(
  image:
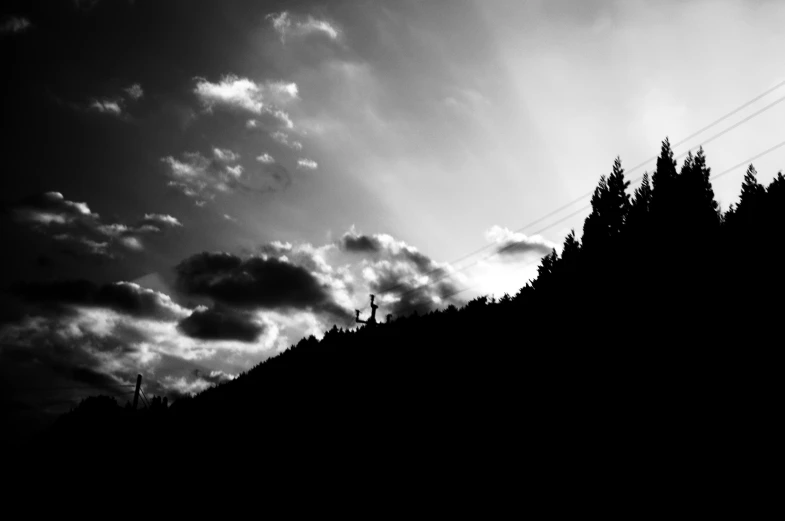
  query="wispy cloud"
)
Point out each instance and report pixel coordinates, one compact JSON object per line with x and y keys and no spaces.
{"x":74,"y":222}
{"x":283,"y":138}
{"x":286,"y":24}
{"x":202,"y":178}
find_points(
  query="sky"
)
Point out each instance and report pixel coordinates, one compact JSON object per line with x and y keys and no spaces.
{"x":192,"y":187}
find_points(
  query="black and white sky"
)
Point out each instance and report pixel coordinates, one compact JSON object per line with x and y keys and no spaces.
{"x":190,"y":187}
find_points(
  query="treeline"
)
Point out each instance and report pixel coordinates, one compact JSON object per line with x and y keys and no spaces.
{"x":664,"y":317}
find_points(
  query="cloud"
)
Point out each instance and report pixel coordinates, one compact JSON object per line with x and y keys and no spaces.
{"x":225,"y":155}
{"x":283,"y":138}
{"x":107,"y":107}
{"x":308,"y":164}
{"x":195,"y":382}
{"x":134,"y":91}
{"x":405,"y":279}
{"x":52,"y":207}
{"x":15,"y":24}
{"x":74,"y":222}
{"x":231,"y":91}
{"x":286,"y":24}
{"x":283,"y":91}
{"x":512,"y":244}
{"x":255,"y":283}
{"x":283,"y":117}
{"x":356,"y":243}
{"x":237,"y":93}
{"x":203,"y":178}
{"x":220,"y":323}
{"x":122,"y":297}
{"x":157,"y":220}
{"x":240,"y":309}
{"x":265,"y":158}
{"x":271,"y":119}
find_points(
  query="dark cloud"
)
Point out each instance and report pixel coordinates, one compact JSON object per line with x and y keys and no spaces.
{"x":521,"y":247}
{"x":52,"y":207}
{"x":220,"y":324}
{"x":359,"y":243}
{"x":401,"y":280}
{"x":387,"y":247}
{"x":73,"y":223}
{"x":396,"y":272}
{"x":255,"y":282}
{"x":123,"y":297}
{"x":511,"y":244}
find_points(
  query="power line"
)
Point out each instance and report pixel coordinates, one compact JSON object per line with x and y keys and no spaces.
{"x":713,"y":177}
{"x":634,"y":180}
{"x":654,"y":158}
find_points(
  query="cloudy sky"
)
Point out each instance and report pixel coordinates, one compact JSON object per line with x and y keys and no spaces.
{"x":190,"y":187}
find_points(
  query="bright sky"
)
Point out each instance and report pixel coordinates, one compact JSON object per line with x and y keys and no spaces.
{"x":422,"y":129}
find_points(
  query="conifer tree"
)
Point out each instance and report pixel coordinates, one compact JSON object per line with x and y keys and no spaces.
{"x":618,"y":199}
{"x":663,"y":180}
{"x":752,"y":193}
{"x":566,"y":268}
{"x":594,"y":229}
{"x":545,"y":272}
{"x":610,"y":206}
{"x":709,"y":204}
{"x":697,"y":210}
{"x":640,"y":207}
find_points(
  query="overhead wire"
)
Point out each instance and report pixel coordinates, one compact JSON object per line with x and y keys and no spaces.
{"x":551,"y":225}
{"x":633,"y":180}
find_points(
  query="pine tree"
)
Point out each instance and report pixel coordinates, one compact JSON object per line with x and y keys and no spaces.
{"x":594,"y":228}
{"x":665,"y":174}
{"x":545,"y":272}
{"x":618,"y":199}
{"x":752,"y":193}
{"x":640,"y":207}
{"x":698,"y":210}
{"x":610,"y":206}
{"x":566,"y":268}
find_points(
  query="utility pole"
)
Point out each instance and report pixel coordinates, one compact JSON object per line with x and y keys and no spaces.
{"x":138,"y":388}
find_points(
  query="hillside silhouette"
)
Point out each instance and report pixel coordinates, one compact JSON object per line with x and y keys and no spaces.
{"x":657,"y":333}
